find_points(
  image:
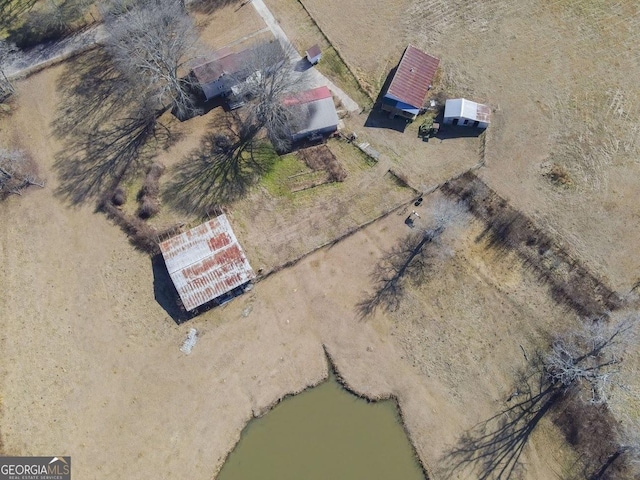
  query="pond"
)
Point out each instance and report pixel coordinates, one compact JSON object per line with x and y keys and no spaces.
{"x":324,"y":433}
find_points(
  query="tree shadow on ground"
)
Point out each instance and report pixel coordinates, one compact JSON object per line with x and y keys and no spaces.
{"x":52,"y":21}
{"x":492,"y":449}
{"x":10,"y":11}
{"x":207,"y":7}
{"x":407,"y":261}
{"x":221,"y":170}
{"x":107,"y":131}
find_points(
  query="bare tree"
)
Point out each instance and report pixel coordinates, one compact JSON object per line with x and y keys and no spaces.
{"x":413,"y":258}
{"x":588,"y":360}
{"x":580,"y":372}
{"x":268,"y":79}
{"x":150,"y":42}
{"x":8,"y":54}
{"x":98,"y":158}
{"x":625,"y":457}
{"x":12,"y":11}
{"x":17,"y":172}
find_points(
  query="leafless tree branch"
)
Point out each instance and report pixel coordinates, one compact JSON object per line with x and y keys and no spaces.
{"x":17,"y":172}
{"x":411,"y":259}
{"x":221,"y":170}
{"x":150,"y":42}
{"x":589,"y":359}
{"x":271,"y":77}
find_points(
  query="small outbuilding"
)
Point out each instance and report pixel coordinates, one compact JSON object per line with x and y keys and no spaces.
{"x":313,"y":113}
{"x":206,"y":263}
{"x":314,"y":54}
{"x":409,"y":86}
{"x":460,"y":111}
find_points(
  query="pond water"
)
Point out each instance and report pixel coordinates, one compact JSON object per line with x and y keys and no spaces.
{"x":324,"y":433}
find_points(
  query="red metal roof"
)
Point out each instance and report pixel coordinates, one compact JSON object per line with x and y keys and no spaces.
{"x":411,"y":81}
{"x":314,"y":51}
{"x":206,"y":262}
{"x":307,"y":96}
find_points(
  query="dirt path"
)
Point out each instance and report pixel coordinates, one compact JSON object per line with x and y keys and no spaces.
{"x":51,"y":53}
{"x":315,"y":77}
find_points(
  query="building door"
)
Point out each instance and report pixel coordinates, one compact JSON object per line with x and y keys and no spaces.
{"x":455,"y":121}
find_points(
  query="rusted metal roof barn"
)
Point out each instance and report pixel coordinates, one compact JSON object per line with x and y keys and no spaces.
{"x":410,"y":84}
{"x":206,"y":262}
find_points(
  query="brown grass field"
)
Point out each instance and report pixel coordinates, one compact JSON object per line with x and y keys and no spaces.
{"x":89,"y":359}
{"x":559,"y":76}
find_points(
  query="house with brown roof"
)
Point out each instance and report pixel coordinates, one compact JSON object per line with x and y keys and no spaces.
{"x":409,"y":86}
{"x":225,"y":71}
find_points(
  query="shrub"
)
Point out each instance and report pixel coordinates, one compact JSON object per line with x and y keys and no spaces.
{"x":119,"y":197}
{"x":149,"y":208}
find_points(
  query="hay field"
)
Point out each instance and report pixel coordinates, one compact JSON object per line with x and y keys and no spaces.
{"x":368,"y":35}
{"x":560,"y":76}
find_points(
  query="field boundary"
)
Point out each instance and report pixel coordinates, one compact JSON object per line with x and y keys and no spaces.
{"x":571,"y":283}
{"x":324,"y":35}
{"x":334,"y":241}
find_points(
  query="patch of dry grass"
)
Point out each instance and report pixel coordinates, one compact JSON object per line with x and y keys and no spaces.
{"x":278,"y":229}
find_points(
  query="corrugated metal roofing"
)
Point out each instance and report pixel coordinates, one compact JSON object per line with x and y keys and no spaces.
{"x":411,"y":81}
{"x":307,"y":96}
{"x":313,"y":116}
{"x":223,"y":63}
{"x":463,"y":108}
{"x":206,"y":262}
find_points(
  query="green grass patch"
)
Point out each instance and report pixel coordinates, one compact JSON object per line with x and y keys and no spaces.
{"x":333,"y":67}
{"x":350,"y":156}
{"x":276,"y":181}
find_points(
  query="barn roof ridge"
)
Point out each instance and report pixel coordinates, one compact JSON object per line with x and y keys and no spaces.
{"x":206,"y":262}
{"x":413,"y":76}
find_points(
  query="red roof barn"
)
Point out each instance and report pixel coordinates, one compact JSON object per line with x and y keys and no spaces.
{"x":410,"y":84}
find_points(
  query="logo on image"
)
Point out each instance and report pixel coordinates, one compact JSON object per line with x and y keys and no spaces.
{"x":35,"y":468}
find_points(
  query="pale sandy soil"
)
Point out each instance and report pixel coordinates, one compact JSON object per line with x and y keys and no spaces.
{"x":226,"y":25}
